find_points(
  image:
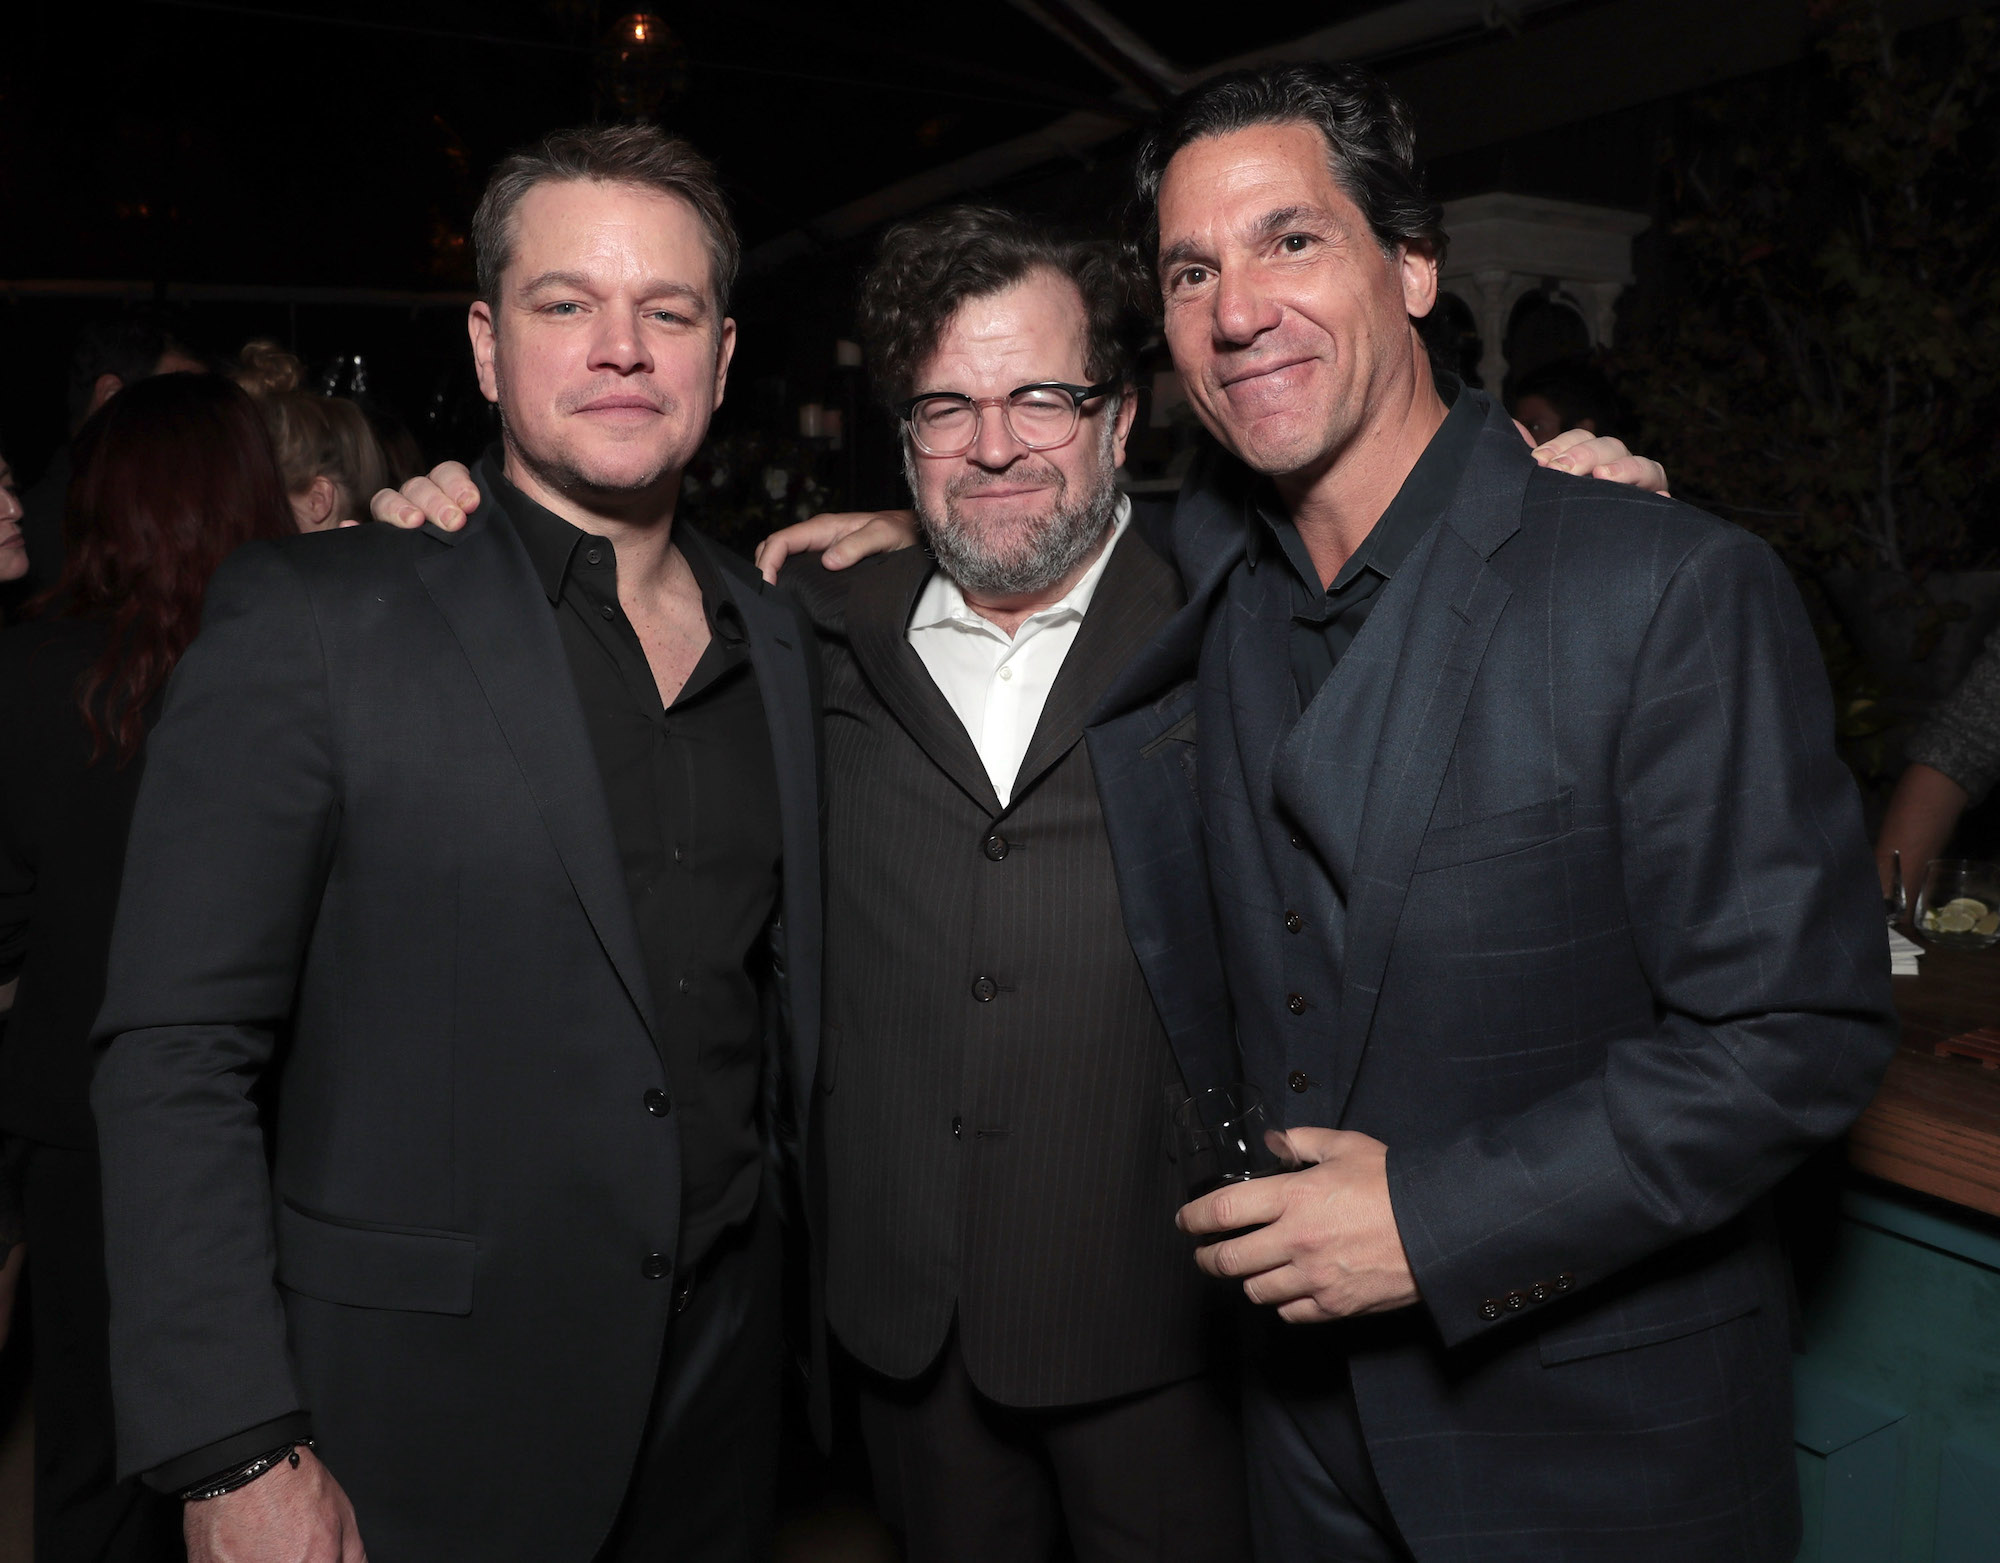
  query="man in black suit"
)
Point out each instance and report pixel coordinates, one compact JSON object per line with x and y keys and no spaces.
{"x":477,"y":871}
{"x":1541,"y":894}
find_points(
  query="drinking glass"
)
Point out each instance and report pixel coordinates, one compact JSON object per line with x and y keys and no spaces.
{"x":1959,"y":904}
{"x":1223,"y":1134}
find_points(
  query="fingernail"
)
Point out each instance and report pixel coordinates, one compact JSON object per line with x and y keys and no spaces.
{"x":454,"y":516}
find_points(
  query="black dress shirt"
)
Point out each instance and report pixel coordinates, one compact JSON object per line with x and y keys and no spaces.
{"x":1325,"y":620}
{"x":693,"y":796}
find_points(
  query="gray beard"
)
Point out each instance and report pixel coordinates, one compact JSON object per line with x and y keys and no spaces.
{"x":1037,"y":553}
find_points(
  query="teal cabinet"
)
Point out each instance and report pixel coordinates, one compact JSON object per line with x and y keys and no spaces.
{"x":1898,"y":1387}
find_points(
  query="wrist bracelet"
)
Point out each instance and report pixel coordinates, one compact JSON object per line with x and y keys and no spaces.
{"x":246,"y":1473}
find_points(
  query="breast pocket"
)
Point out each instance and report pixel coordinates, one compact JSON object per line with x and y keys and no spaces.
{"x":1497,"y":835}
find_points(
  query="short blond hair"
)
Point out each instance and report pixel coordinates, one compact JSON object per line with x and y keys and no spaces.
{"x":640,"y":155}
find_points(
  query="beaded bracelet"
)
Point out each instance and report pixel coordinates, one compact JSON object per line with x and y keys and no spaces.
{"x":246,"y":1473}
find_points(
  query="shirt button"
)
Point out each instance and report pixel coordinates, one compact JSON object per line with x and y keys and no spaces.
{"x":608,"y":611}
{"x":593,"y":556}
{"x":1293,"y":922}
{"x":1006,"y":673}
{"x":1296,"y":1003}
{"x":679,"y":852}
{"x":957,"y":1127}
{"x":658,"y":1103}
{"x":656,"y":1267}
{"x":983,"y":989}
{"x":1299,"y":1080}
{"x":995,"y":847}
{"x":686,"y":985}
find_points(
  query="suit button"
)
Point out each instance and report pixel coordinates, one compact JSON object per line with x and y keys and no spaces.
{"x":1298,"y":841}
{"x":957,"y":1127}
{"x":1565,"y":1281}
{"x":1293,"y":922}
{"x":1516,"y":1300}
{"x":995,"y":847}
{"x":1538,"y":1293}
{"x":1299,"y":1080}
{"x":1296,"y":1003}
{"x":658,"y":1103}
{"x":983,"y":989}
{"x":656,"y":1267}
{"x":1490,"y":1309}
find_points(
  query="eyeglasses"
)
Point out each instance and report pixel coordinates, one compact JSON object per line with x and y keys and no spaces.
{"x":1039,"y":417}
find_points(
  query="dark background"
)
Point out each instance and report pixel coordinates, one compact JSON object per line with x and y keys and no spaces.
{"x":307,"y":170}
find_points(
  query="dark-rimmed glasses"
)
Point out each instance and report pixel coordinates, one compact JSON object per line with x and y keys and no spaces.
{"x":1040,"y":416}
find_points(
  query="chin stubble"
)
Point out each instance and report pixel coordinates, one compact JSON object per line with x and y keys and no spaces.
{"x":1042,"y":550}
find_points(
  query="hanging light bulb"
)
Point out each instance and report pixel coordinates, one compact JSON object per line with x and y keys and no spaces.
{"x":640,"y":65}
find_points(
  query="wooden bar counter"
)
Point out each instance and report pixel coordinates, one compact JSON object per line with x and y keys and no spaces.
{"x":1935,"y":1124}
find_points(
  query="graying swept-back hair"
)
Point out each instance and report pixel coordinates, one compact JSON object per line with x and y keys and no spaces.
{"x":641,"y":155}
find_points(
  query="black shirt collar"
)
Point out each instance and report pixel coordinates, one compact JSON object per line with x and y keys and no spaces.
{"x":1418,"y":504}
{"x":552,"y":544}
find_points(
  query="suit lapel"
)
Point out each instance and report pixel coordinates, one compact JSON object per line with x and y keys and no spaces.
{"x":1137,"y":593}
{"x":779,"y":659}
{"x":879,"y":606}
{"x":1460,"y":598}
{"x":497,"y":609}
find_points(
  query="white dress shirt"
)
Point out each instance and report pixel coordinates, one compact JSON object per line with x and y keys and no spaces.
{"x":998,"y":685}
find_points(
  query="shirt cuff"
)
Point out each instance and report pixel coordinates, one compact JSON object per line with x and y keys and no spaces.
{"x":199,"y":1466}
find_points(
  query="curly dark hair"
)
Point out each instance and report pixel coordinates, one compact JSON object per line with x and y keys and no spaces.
{"x":929,"y":266}
{"x":1371,"y":144}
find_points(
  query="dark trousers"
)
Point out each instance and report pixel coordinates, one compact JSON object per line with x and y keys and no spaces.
{"x":1313,"y":1493}
{"x":704,"y":1486}
{"x":82,"y":1514}
{"x":1151,"y":1478}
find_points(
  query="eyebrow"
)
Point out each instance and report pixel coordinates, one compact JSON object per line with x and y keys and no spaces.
{"x":582,"y":284}
{"x":1269,"y":225}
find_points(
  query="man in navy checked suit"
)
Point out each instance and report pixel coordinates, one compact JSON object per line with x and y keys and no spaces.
{"x":1507,"y":802}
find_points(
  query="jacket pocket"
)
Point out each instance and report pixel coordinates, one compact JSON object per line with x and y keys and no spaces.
{"x":367,"y":1266}
{"x":1647,"y":1320}
{"x":1495,"y":835}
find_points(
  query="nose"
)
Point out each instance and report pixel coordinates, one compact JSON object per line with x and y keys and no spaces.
{"x":995,"y":445}
{"x":1243,"y":310}
{"x":618,"y":344}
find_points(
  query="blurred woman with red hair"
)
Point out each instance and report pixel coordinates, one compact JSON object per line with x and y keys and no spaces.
{"x":170,"y":476}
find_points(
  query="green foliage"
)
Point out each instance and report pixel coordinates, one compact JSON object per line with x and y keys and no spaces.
{"x":1824,"y":364}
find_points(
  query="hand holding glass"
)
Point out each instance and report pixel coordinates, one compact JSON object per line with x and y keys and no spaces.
{"x":1223,"y":1134}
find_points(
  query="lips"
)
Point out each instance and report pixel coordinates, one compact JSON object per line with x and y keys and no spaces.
{"x":1248,"y":378}
{"x":638,"y":404}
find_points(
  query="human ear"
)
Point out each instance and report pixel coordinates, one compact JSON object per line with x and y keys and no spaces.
{"x":479,"y":326}
{"x":1418,"y":269}
{"x":725,"y":349}
{"x":1128,"y":409}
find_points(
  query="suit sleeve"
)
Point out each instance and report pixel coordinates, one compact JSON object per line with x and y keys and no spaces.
{"x":1757,"y":922}
{"x":223,"y":876}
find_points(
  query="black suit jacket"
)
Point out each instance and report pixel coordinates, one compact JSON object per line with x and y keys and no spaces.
{"x":63,"y":819}
{"x":997,"y":1084}
{"x":1613,"y":964}
{"x":372,"y":867}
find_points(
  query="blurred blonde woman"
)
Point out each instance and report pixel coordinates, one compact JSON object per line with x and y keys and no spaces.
{"x":326,"y":448}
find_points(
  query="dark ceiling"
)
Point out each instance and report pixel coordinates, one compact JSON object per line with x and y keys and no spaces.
{"x":301,"y":142}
